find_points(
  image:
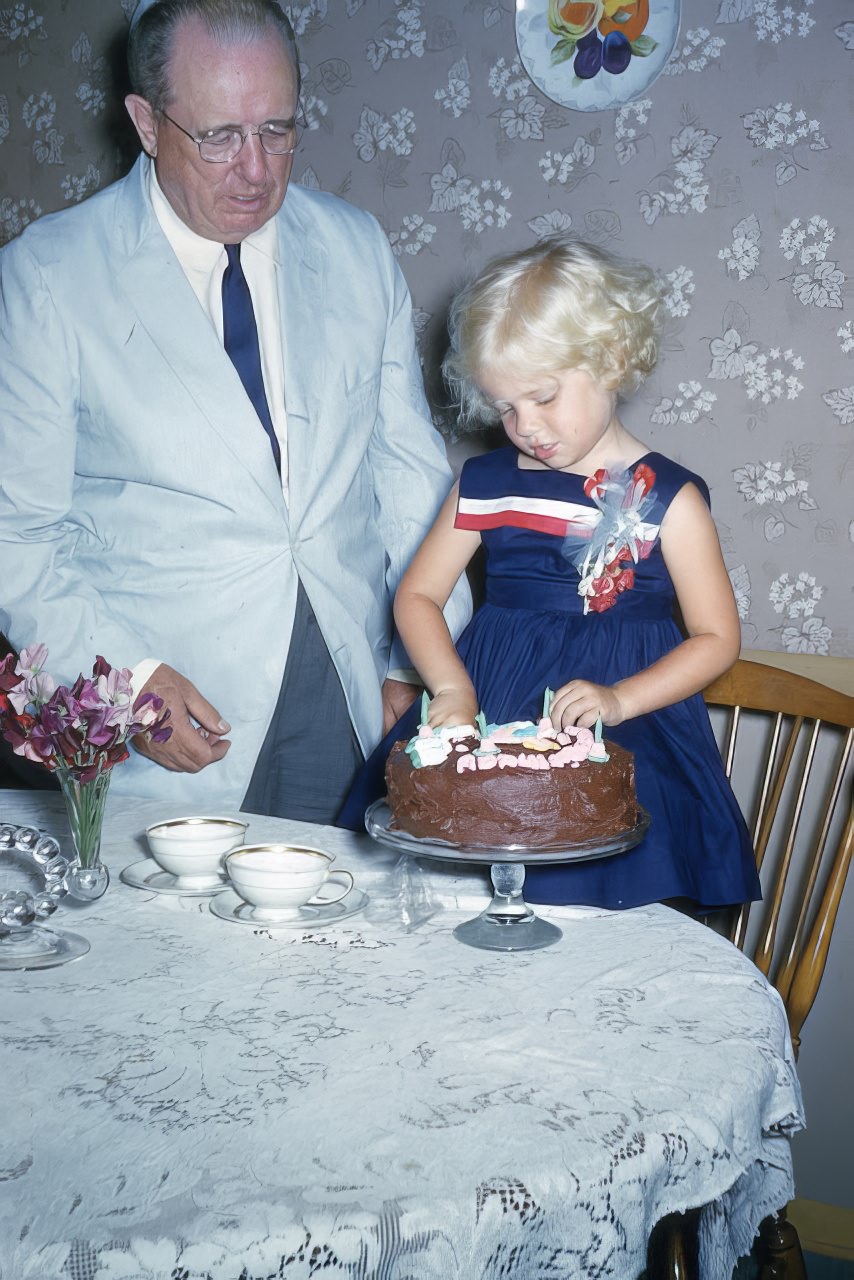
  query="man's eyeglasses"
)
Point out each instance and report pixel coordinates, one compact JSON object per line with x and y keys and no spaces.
{"x":218,"y":146}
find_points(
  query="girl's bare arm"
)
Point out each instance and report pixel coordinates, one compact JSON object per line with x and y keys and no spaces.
{"x":421,"y":596}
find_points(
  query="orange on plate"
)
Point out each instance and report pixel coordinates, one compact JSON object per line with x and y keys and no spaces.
{"x":579,"y":13}
{"x":632,"y":26}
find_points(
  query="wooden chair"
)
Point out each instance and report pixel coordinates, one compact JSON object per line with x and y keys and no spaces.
{"x":787,"y":749}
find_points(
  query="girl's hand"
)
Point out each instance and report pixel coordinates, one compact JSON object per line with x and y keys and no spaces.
{"x":581,"y":702}
{"x":452,"y":706}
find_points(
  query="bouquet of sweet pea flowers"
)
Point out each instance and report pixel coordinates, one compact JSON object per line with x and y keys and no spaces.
{"x":82,"y":730}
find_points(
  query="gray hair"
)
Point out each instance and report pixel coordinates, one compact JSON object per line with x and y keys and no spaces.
{"x":563,"y":304}
{"x":152,"y":37}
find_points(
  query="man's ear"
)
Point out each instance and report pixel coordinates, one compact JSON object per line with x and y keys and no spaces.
{"x":144,"y":121}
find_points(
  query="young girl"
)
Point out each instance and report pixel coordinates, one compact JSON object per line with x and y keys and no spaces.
{"x":590,"y":541}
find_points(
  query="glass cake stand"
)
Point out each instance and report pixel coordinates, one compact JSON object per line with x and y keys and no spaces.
{"x":508,"y":923}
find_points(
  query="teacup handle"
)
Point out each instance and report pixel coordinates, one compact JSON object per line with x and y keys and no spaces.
{"x":324,"y":901}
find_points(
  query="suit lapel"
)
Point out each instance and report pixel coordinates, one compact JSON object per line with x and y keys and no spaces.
{"x":169,"y":311}
{"x":302,"y":297}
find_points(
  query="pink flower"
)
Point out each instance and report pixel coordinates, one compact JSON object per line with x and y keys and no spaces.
{"x":36,"y":686}
{"x":85,"y":728}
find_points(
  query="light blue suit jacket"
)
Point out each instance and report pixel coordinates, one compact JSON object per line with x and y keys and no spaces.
{"x":141,"y":514}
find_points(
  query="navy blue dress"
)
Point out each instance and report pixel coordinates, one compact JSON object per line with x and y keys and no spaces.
{"x":532,"y":632}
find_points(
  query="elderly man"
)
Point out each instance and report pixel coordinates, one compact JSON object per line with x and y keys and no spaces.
{"x":217,"y":456}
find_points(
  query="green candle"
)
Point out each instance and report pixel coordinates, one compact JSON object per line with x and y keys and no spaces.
{"x":480,"y":721}
{"x":597,"y":732}
{"x":547,"y":702}
{"x":425,"y":703}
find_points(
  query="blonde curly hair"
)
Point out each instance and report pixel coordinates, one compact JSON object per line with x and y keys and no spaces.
{"x":563,"y":304}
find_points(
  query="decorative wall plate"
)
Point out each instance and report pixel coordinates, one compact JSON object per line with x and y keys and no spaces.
{"x":592,"y":55}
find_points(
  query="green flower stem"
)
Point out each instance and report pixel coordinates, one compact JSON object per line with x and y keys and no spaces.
{"x":85,"y":803}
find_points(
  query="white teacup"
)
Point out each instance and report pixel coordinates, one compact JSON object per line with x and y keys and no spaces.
{"x":192,"y":849}
{"x":277,"y":880}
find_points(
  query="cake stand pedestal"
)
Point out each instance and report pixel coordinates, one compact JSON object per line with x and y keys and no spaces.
{"x":508,"y":923}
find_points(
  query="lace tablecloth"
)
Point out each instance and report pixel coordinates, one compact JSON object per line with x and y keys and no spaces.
{"x":196,"y":1100}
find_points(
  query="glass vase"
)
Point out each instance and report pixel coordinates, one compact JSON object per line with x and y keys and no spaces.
{"x":87,"y":877}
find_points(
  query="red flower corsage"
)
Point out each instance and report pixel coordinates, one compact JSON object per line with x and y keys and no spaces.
{"x":621,"y":537}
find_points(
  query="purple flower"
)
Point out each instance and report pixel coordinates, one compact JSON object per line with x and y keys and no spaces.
{"x":85,"y":728}
{"x":150,"y":718}
{"x":10,"y":678}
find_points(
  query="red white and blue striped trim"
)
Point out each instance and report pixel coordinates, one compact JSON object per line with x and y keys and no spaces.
{"x":541,"y":514}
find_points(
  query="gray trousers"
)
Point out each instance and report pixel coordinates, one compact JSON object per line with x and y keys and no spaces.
{"x":311,"y":753}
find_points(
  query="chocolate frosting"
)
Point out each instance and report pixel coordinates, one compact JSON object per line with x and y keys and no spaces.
{"x":529,"y":807}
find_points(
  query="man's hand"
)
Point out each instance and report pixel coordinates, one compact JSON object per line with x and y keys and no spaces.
{"x":197,"y":727}
{"x":397,"y":698}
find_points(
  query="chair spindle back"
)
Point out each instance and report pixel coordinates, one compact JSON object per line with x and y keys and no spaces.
{"x":803,"y":836}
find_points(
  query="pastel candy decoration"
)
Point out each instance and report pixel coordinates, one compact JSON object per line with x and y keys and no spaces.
{"x":532,"y":761}
{"x":487,"y":760}
{"x":454,"y":732}
{"x":507,"y":762}
{"x":598,"y":753}
{"x":427,"y":751}
{"x":579,"y":744}
{"x":512,"y":732}
{"x":467,"y":763}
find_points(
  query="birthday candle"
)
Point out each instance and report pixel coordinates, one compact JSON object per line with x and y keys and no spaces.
{"x":597,"y":732}
{"x":547,"y":702}
{"x":480,"y":721}
{"x":425,"y":703}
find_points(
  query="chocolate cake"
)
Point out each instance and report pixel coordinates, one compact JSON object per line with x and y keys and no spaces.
{"x":520,"y":784}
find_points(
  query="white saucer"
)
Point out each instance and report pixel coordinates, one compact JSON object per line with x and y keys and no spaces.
{"x":149,"y":875}
{"x":230,"y":906}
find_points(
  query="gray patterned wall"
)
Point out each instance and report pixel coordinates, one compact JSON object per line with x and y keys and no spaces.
{"x":732,"y":174}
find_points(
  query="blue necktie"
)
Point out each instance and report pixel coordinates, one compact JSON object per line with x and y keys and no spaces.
{"x":240,"y":338}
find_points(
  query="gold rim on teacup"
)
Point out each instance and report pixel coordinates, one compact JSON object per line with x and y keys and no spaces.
{"x":157,"y":827}
{"x":280,"y":847}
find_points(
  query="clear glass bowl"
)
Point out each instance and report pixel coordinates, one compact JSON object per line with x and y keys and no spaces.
{"x":32,"y":885}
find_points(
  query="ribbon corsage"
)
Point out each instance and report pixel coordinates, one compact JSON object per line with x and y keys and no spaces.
{"x":620,"y":537}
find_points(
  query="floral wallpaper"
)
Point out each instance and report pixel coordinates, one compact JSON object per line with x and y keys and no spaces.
{"x":731,"y":174}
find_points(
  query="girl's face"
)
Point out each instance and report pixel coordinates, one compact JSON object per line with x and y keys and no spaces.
{"x":565,"y":420}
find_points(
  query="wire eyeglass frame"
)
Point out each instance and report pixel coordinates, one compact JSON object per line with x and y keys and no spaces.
{"x":232,"y":143}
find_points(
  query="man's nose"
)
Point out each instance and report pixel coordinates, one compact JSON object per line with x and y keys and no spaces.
{"x":251,"y":159}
